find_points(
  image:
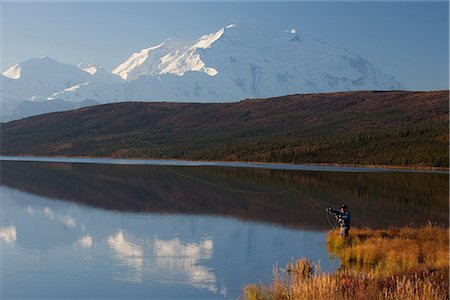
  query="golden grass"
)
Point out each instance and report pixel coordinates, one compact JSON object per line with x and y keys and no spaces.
{"x":392,"y":250}
{"x":379,"y":264}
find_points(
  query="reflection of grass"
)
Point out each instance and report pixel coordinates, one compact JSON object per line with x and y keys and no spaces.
{"x":401,"y":263}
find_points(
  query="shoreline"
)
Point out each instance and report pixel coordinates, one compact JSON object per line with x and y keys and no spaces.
{"x":375,"y":264}
{"x":236,"y":163}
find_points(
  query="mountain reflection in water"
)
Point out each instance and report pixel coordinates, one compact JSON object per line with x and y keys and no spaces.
{"x":376,"y":200}
{"x":173,"y":260}
{"x":111,"y":254}
{"x":151,"y":232}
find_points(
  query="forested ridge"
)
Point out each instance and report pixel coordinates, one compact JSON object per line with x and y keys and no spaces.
{"x":380,"y":128}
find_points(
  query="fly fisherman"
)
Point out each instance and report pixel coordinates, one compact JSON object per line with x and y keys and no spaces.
{"x":343,"y":218}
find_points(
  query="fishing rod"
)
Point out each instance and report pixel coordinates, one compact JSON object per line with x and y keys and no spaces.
{"x":223,"y":188}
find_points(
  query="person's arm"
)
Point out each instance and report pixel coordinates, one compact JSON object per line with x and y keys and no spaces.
{"x":334,"y":211}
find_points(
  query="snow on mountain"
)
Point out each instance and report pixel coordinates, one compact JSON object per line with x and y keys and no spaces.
{"x":31,"y":108}
{"x":244,"y":61}
{"x":265,"y":63}
{"x":14,"y":72}
{"x":236,"y":62}
{"x":191,"y":86}
{"x":99,"y":74}
{"x":34,"y":80}
{"x":262,"y":63}
{"x":91,"y":69}
{"x":150,"y":61}
{"x":37,"y":79}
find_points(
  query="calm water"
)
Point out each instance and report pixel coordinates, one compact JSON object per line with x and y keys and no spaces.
{"x":96,"y":230}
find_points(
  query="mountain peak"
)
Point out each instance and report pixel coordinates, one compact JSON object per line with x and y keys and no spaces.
{"x":42,"y":67}
{"x":235,"y":62}
{"x":259,"y":61}
{"x":208,"y":39}
{"x":146,"y":61}
{"x":15,"y":72}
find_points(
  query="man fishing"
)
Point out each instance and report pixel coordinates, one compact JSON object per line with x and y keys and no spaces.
{"x":343,"y":218}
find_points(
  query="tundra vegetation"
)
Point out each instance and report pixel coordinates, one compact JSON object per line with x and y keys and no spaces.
{"x":361,"y":128}
{"x":404,"y":263}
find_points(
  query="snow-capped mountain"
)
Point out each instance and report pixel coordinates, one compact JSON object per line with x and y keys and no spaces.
{"x":38,"y":79}
{"x":99,"y":74}
{"x":236,"y":62}
{"x":147,"y":62}
{"x":261,"y":62}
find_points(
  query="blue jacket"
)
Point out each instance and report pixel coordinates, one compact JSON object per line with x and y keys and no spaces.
{"x":343,"y":218}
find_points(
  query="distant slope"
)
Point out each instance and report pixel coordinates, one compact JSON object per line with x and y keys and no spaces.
{"x":392,"y":128}
{"x":31,"y":108}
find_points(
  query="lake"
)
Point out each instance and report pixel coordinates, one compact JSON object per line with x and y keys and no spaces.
{"x":98,"y":228}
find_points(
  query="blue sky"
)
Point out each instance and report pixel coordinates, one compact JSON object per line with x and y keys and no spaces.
{"x":406,"y":39}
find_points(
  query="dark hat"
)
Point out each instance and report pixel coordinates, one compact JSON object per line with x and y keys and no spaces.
{"x":344,"y":206}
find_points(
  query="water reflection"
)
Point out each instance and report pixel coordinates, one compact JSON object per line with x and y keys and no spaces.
{"x":129,"y":254}
{"x":167,"y":261}
{"x":8,"y":234}
{"x":144,"y":255}
{"x":179,"y":262}
{"x":66,"y":220}
{"x":86,"y":241}
{"x":375,"y":199}
{"x":158,"y":234}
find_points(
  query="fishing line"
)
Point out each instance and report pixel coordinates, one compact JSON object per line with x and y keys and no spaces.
{"x":331,"y":224}
{"x":230,"y":190}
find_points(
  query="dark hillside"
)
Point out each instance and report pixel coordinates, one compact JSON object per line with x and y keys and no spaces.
{"x":392,"y":128}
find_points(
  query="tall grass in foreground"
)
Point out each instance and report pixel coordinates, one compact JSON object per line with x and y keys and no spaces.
{"x":377,"y":264}
{"x":392,"y":250}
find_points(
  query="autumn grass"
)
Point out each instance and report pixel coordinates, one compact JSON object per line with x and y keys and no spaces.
{"x":401,"y":263}
{"x":392,"y":250}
